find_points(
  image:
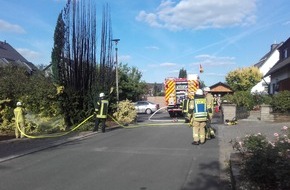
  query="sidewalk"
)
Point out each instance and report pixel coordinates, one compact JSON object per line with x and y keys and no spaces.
{"x":226,"y":133}
{"x":244,"y":127}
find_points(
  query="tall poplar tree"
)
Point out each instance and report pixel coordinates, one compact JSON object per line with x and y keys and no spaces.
{"x":57,"y":58}
{"x":182,"y":73}
{"x":74,"y":55}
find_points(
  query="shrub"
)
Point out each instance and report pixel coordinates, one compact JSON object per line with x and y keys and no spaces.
{"x":241,"y":99}
{"x":126,"y":112}
{"x":261,"y":98}
{"x":281,"y":101}
{"x":265,"y":164}
{"x":248,"y":100}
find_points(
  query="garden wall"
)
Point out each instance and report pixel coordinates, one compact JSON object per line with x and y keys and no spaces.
{"x":158,"y":100}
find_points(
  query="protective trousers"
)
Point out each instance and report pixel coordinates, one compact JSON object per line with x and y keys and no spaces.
{"x":97,"y":122}
{"x":207,"y":129}
{"x":21,"y":125}
{"x":199,"y":131}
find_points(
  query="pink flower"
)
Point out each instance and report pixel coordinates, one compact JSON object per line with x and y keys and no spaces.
{"x":284,"y":128}
{"x":276,"y":134}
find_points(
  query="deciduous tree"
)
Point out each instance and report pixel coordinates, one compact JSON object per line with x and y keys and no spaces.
{"x":243,"y":79}
{"x":131,"y":86}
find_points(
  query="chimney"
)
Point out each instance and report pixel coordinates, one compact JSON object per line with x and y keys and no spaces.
{"x":273,"y":46}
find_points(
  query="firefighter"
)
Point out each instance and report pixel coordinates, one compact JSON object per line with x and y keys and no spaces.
{"x":101,"y":112}
{"x":199,"y":117}
{"x":219,"y":100}
{"x":184,"y":107}
{"x":19,"y":113}
{"x":63,"y":103}
{"x":210,"y":106}
{"x":215,"y":103}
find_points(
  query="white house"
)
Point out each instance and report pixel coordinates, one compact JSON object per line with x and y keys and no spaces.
{"x":280,"y":72}
{"x":264,"y":65}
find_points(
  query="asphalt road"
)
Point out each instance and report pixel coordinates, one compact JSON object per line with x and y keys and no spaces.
{"x":154,"y":157}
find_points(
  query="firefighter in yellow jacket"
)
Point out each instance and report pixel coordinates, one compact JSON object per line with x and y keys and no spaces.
{"x":210,"y":107}
{"x":199,"y":118}
{"x":101,"y":112}
{"x":19,"y":113}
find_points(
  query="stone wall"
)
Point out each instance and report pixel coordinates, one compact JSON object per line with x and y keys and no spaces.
{"x":228,"y":111}
{"x":242,"y":113}
{"x":266,"y":113}
{"x":278,"y":117}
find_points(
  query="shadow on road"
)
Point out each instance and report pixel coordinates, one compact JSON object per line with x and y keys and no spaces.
{"x":207,"y":180}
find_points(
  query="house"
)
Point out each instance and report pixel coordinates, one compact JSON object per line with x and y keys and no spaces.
{"x":264,"y":65}
{"x":9,"y":56}
{"x":280,"y":72}
{"x":220,"y":88}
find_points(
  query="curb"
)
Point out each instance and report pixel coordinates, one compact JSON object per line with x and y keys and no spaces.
{"x":235,"y":171}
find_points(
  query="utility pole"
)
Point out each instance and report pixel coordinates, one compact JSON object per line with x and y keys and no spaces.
{"x":117,"y":77}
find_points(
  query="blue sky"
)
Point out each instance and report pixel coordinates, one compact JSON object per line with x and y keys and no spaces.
{"x":160,"y":37}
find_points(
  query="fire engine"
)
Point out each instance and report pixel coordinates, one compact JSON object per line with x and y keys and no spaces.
{"x":178,"y":89}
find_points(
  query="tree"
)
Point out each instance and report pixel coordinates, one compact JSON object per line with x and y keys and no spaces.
{"x":17,"y":84}
{"x":57,"y":57}
{"x":243,"y":79}
{"x":131,"y":87}
{"x":201,"y":84}
{"x":74,"y":56}
{"x":155,"y":89}
{"x":182,"y":73}
{"x":79,"y":53}
{"x":106,"y":66}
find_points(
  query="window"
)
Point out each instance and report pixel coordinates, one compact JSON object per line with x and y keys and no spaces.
{"x":285,"y":53}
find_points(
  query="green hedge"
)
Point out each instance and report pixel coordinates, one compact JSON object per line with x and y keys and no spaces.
{"x":281,"y":102}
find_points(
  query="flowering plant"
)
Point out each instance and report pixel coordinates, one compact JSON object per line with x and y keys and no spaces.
{"x":265,"y":163}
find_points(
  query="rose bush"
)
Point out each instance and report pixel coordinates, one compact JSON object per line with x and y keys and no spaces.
{"x":265,"y":163}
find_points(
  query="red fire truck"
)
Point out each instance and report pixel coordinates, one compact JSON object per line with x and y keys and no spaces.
{"x":178,"y":89}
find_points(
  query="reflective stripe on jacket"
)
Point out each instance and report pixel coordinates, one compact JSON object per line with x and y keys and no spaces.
{"x":103,"y":110}
{"x":185,"y":105}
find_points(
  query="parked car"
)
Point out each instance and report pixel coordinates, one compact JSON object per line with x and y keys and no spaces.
{"x":146,"y":107}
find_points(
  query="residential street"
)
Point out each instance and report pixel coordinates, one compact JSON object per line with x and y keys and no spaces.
{"x":155,"y":157}
{"x":153,"y":154}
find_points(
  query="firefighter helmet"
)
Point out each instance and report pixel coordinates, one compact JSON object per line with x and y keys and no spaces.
{"x":206,"y":89}
{"x":199,"y":92}
{"x":102,"y":95}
